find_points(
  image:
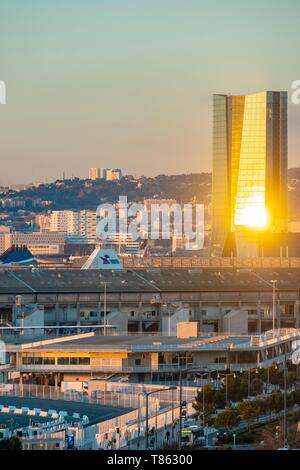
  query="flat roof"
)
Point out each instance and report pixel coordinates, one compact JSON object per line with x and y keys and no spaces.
{"x":37,"y":280}
{"x":99,"y":343}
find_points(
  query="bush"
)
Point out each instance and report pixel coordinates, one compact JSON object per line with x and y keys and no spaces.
{"x":13,"y":443}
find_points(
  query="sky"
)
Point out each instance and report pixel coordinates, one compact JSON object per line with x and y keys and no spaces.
{"x":129,"y":83}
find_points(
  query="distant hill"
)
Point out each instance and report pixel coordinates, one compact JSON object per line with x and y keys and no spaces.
{"x":87,"y":194}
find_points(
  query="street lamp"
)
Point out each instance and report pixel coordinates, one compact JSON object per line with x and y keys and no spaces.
{"x":104,"y":309}
{"x":104,"y":283}
{"x":226,"y":384}
{"x":203,"y":396}
{"x":285,"y":436}
{"x":147,"y":409}
{"x":273,"y":282}
{"x":189,"y":369}
{"x":168,"y":307}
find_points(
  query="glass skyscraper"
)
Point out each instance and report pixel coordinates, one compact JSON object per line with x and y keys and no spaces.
{"x":249,"y":181}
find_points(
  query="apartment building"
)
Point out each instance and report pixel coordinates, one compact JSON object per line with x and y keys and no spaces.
{"x":81,"y":223}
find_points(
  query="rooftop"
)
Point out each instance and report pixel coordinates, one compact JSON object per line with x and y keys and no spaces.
{"x":97,"y":343}
{"x":35,"y":280}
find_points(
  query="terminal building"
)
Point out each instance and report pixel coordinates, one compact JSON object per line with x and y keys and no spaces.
{"x":230,"y":300}
{"x":83,"y":357}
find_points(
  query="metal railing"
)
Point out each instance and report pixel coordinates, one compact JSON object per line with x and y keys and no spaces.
{"x":107,"y":398}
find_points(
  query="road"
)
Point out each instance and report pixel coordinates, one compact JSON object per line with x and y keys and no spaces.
{"x":159,"y":439}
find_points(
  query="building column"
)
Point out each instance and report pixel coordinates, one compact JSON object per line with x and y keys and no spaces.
{"x":57,"y":314}
{"x":258,"y":317}
{"x":78,"y":314}
{"x":296,"y":313}
{"x":99,"y":312}
{"x":220,"y":322}
{"x":200,"y":317}
{"x":277,"y":314}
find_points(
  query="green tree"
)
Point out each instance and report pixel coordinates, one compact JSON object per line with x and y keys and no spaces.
{"x":275,"y":402}
{"x":210,"y":401}
{"x":248,"y":410}
{"x":237,"y":387}
{"x":13,"y":443}
{"x":257,"y":386}
{"x":227,"y":419}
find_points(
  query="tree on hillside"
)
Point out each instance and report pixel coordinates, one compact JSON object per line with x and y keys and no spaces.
{"x":13,"y":443}
{"x":272,"y":436}
{"x":248,"y":410}
{"x":275,"y":402}
{"x":227,"y":419}
{"x":257,"y":386}
{"x":210,"y":401}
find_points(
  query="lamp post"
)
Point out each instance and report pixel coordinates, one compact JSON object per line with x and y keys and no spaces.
{"x":273,"y":282}
{"x":190,"y":369}
{"x":249,"y":382}
{"x":104,"y":310}
{"x":285,"y":436}
{"x":172,"y":398}
{"x":139,"y":421}
{"x":104,"y":283}
{"x":147,"y":409}
{"x":226,"y":383}
{"x":168,"y":307}
{"x":203,"y":397}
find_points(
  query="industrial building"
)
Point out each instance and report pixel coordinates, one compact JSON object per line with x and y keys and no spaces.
{"x":154,"y":300}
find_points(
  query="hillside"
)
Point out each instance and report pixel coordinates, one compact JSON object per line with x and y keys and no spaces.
{"x":87,"y":194}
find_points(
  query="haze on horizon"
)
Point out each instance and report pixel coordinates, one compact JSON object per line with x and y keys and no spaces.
{"x":129,"y":84}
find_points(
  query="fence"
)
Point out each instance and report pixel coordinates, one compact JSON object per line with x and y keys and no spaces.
{"x":181,"y":262}
{"x":101,"y":397}
{"x":165,"y":397}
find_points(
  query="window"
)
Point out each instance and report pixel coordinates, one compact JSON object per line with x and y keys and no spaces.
{"x":73,"y":361}
{"x":48,"y":360}
{"x":84,"y":360}
{"x":221,"y":360}
{"x":63,"y":360}
{"x":36,"y":361}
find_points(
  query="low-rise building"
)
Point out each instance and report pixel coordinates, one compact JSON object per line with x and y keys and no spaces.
{"x":144,"y":358}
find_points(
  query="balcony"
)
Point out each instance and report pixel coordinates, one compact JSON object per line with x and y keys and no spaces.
{"x":117,"y":366}
{"x":4,"y":367}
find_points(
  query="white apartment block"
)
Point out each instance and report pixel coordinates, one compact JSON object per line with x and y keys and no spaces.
{"x":43,"y":221}
{"x":87,"y":224}
{"x":94,"y":173}
{"x":105,"y":173}
{"x":5,"y":241}
{"x":64,"y":221}
{"x":81,"y":223}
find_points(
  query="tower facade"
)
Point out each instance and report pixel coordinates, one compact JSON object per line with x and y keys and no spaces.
{"x":249,"y":175}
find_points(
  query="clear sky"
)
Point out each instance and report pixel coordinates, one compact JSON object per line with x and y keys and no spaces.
{"x":129,"y":83}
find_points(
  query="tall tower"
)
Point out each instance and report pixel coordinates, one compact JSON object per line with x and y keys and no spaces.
{"x":249,"y":176}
